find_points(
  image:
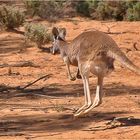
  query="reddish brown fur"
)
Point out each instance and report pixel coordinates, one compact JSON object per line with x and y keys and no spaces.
{"x":88,"y":45}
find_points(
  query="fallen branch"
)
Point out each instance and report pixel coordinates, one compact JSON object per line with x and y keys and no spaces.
{"x":116,"y":33}
{"x":36,"y":94}
{"x":3,"y":88}
{"x":6,"y":88}
{"x":116,"y":122}
{"x":20,"y":64}
{"x":10,"y":133}
{"x":45,"y":76}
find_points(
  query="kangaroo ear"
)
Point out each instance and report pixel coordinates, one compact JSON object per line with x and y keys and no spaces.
{"x":62,"y":32}
{"x":55,"y":32}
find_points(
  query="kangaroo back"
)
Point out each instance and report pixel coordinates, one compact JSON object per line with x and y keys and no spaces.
{"x":93,"y":42}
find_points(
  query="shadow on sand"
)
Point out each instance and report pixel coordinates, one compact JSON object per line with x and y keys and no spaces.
{"x":59,"y":122}
{"x":69,"y":90}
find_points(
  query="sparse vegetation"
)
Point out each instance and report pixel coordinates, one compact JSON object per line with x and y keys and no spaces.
{"x":32,"y":6}
{"x":37,"y":33}
{"x":11,"y":17}
{"x":104,"y":10}
{"x":95,"y":9}
{"x":44,"y":9}
{"x":83,"y":8}
{"x":133,"y":12}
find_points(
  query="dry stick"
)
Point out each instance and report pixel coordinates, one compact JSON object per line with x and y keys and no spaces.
{"x":101,"y":128}
{"x":20,"y":64}
{"x":40,"y":95}
{"x":48,"y":76}
{"x":135,"y":46}
{"x":44,"y":96}
{"x":11,"y":133}
{"x":109,"y":28}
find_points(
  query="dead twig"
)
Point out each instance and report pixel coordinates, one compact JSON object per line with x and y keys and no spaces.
{"x":36,"y":94}
{"x":20,"y":64}
{"x":116,"y":33}
{"x":135,"y":46}
{"x":108,"y":28}
{"x":11,"y":133}
{"x":5,"y":88}
{"x":116,"y":122}
{"x":45,"y":76}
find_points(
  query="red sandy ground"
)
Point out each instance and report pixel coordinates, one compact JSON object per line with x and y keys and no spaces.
{"x":36,"y":118}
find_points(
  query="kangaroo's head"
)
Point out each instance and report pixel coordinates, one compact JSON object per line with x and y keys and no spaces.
{"x":58,"y":35}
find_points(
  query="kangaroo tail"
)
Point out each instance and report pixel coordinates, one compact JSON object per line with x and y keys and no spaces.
{"x":117,"y":54}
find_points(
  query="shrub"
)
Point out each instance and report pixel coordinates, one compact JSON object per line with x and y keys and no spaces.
{"x":86,"y":7}
{"x":37,"y":33}
{"x":96,"y":9}
{"x":11,"y":17}
{"x":103,"y":11}
{"x":45,"y":9}
{"x":133,"y":12}
{"x":119,"y":10}
{"x":82,"y":7}
{"x":50,"y":9}
{"x":32,"y":6}
{"x":110,"y":10}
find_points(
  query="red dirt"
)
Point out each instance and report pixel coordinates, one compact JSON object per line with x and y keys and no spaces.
{"x":32,"y":117}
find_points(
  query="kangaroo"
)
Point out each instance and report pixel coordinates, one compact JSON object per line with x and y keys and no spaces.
{"x":92,"y":52}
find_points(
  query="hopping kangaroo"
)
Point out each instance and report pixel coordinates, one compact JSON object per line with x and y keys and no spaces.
{"x":91,"y":51}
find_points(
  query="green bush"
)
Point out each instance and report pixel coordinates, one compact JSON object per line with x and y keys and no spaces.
{"x":95,"y":9}
{"x":103,"y":11}
{"x":37,"y":33}
{"x":86,"y":7}
{"x":110,"y":10}
{"x":83,"y":8}
{"x":45,"y":9}
{"x":11,"y":17}
{"x":50,"y":9}
{"x":117,"y":10}
{"x":133,"y":12}
{"x":32,"y":6}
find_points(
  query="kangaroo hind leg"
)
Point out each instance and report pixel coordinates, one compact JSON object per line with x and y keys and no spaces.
{"x":98,"y":96}
{"x":84,"y":70}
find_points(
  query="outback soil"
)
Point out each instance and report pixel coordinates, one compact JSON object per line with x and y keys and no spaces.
{"x":44,"y":111}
